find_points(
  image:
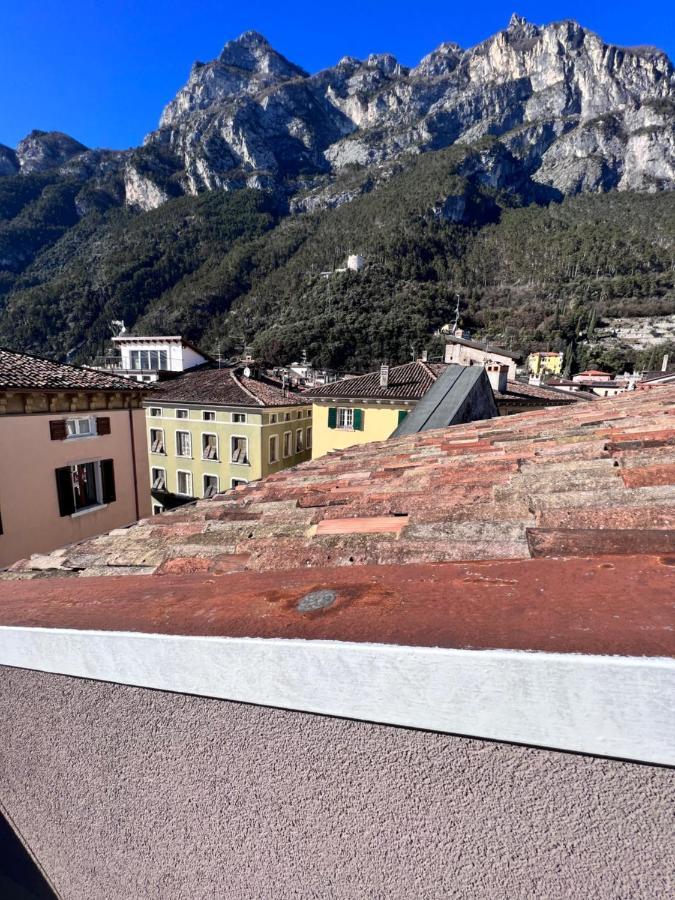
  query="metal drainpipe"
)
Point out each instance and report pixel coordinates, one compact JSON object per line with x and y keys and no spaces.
{"x":133,"y":461}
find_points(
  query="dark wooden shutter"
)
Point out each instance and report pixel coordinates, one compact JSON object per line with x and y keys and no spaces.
{"x":64,"y":488}
{"x":58,"y":430}
{"x":108,"y":481}
{"x":358,"y":420}
{"x":402,"y":413}
{"x":102,"y":424}
{"x":332,"y":417}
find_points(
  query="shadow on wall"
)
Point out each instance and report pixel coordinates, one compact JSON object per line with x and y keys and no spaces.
{"x":20,"y":878}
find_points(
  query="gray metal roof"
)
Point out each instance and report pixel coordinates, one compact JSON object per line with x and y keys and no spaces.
{"x":459,"y":394}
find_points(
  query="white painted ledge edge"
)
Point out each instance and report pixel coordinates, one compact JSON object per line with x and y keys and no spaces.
{"x":601,"y":705}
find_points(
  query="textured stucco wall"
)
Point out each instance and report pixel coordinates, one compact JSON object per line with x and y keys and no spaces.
{"x":124,"y":792}
{"x":28,"y":497}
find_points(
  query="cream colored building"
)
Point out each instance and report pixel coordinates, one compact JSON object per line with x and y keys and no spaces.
{"x":73,"y":458}
{"x":212,"y":429}
{"x":464,"y":352}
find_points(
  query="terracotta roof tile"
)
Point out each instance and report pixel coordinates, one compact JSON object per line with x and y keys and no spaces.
{"x":412,"y":380}
{"x":225,"y":386}
{"x":556,"y":481}
{"x":20,"y":371}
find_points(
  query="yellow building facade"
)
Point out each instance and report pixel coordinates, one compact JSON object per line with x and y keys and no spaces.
{"x":343,"y":423}
{"x":545,"y":363}
{"x":199,"y":448}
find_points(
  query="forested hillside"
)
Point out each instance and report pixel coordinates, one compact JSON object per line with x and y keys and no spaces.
{"x":229,"y":269}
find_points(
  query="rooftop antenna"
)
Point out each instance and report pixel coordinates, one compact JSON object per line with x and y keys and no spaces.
{"x":220,"y":360}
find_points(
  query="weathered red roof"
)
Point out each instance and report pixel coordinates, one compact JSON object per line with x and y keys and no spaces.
{"x":21,"y":371}
{"x":225,"y":386}
{"x":411,"y":381}
{"x":600,"y":606}
{"x":589,"y":480}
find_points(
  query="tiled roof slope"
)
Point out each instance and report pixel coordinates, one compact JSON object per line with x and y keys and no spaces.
{"x":407,"y":382}
{"x":412,"y":380}
{"x":20,"y":371}
{"x":590,"y":480}
{"x":225,"y":386}
{"x":519,"y":390}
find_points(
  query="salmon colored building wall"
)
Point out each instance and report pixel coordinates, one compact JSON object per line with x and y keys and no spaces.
{"x":29,"y":506}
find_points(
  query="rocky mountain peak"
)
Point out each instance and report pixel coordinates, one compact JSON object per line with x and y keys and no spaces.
{"x":42,"y":150}
{"x":517,"y":21}
{"x":245,"y":66}
{"x":252,"y":52}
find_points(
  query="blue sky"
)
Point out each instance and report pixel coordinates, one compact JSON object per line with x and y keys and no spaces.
{"x":102,"y":71}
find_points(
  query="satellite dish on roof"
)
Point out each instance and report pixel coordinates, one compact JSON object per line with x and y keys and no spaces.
{"x":247,"y":372}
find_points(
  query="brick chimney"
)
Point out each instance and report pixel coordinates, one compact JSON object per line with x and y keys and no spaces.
{"x":498,"y":376}
{"x":384,"y":376}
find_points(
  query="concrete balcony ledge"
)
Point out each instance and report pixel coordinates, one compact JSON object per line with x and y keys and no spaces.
{"x":507,"y":651}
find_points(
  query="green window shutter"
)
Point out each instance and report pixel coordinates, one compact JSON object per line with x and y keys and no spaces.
{"x":402,"y":413}
{"x":107,"y":481}
{"x":64,"y":487}
{"x":332,"y":417}
{"x":358,"y":420}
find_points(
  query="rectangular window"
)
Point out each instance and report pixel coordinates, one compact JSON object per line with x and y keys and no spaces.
{"x":158,"y":478}
{"x":237,"y":482}
{"x":148,"y":359}
{"x":210,"y":486}
{"x":299,"y":445}
{"x":182,"y":414}
{"x":85,"y":486}
{"x":157,"y":440}
{"x":300,"y":414}
{"x":287,"y":443}
{"x":183,"y":443}
{"x":209,"y":446}
{"x":81,"y":427}
{"x":308,"y":432}
{"x":239,"y":417}
{"x":274,"y":448}
{"x":287,"y":417}
{"x":273,"y":419}
{"x":208,"y":415}
{"x":155,"y":411}
{"x":345,"y":418}
{"x":184,"y":483}
{"x":157,"y":509}
{"x":239,"y":452}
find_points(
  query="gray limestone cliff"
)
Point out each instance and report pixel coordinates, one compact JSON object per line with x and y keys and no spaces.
{"x":570,"y":112}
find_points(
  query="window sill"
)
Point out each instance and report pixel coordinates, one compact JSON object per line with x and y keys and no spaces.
{"x":87,"y":510}
{"x":210,"y":459}
{"x":158,"y":452}
{"x":82,"y":437}
{"x":233,"y":463}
